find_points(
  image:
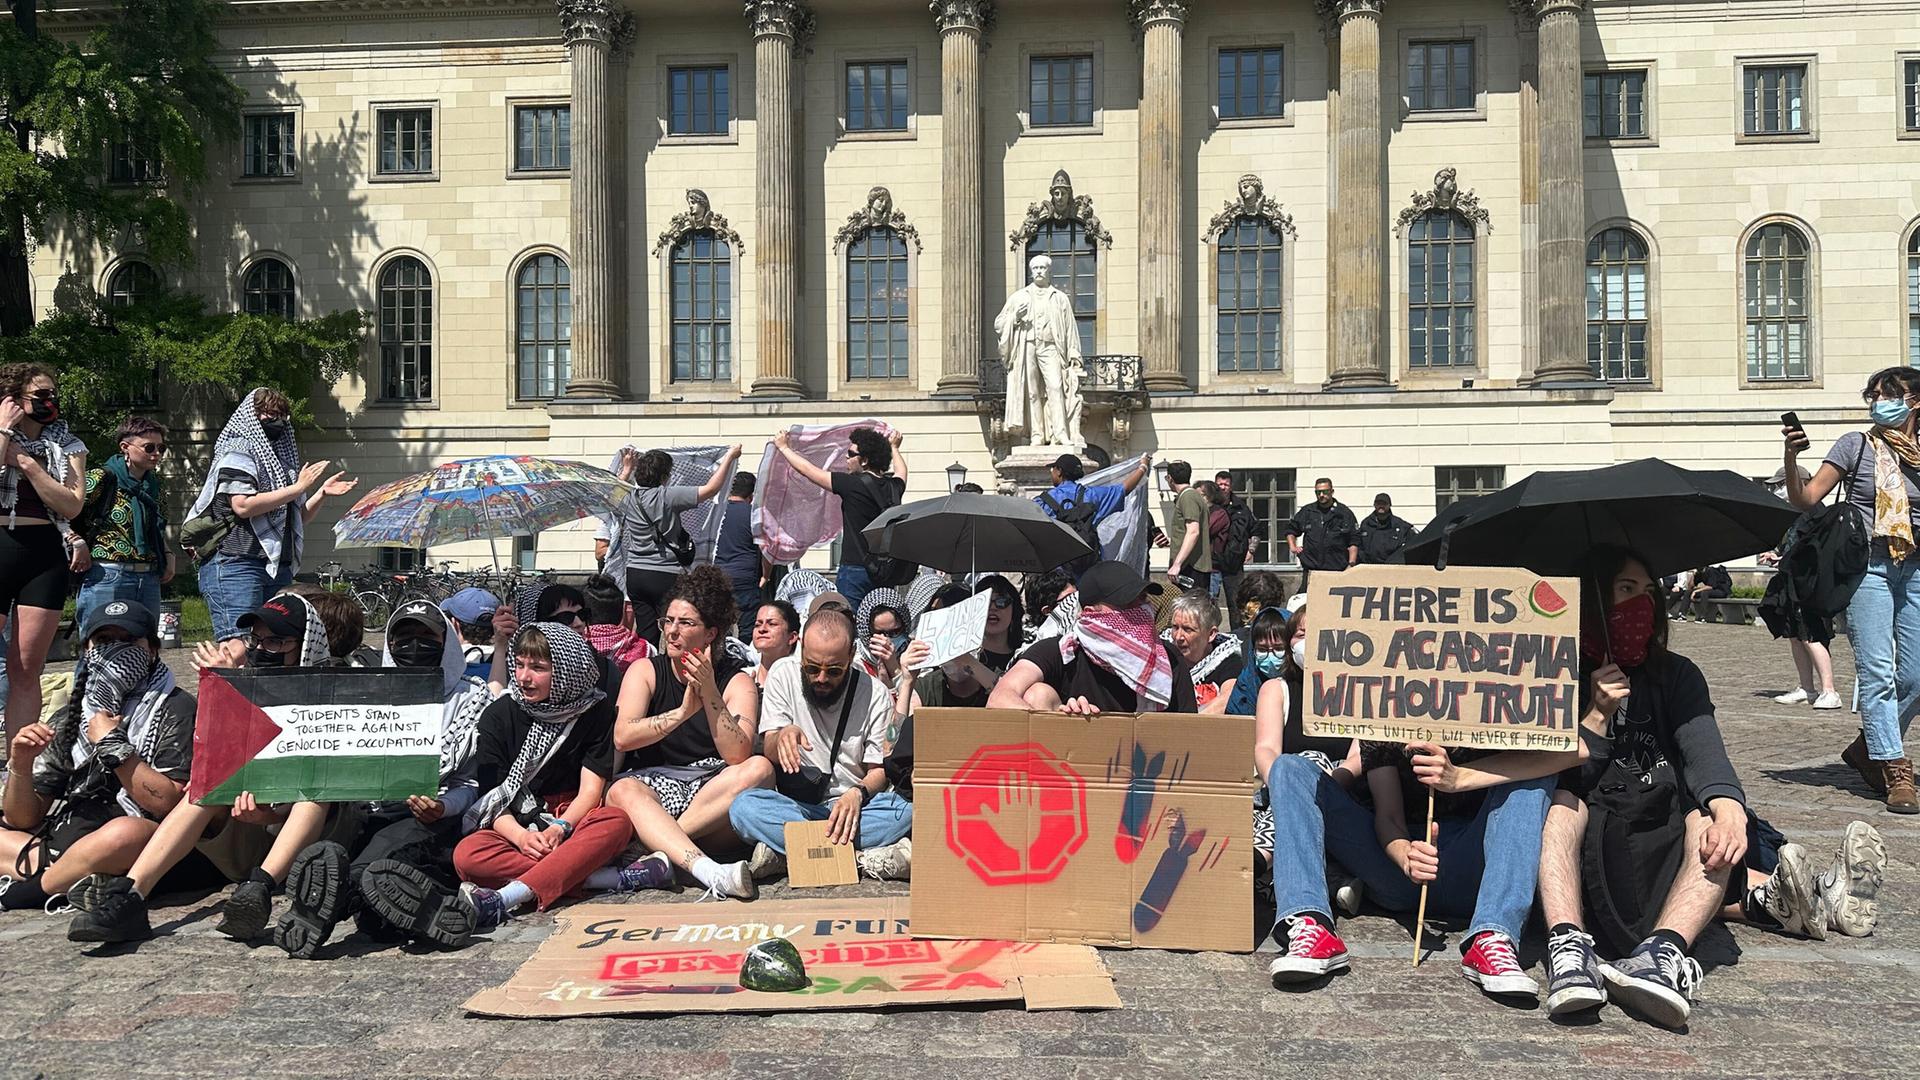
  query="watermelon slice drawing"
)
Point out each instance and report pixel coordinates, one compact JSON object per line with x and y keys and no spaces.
{"x":1545,"y":601}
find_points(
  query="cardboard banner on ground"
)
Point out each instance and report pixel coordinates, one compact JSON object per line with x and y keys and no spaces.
{"x":609,"y":959}
{"x":954,"y":632}
{"x":1117,"y":830}
{"x":316,"y":735}
{"x":1468,"y":656}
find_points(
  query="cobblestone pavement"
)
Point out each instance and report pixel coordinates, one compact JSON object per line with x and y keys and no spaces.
{"x":192,"y":1003}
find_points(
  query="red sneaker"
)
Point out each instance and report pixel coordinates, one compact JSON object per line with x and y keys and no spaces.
{"x":1312,"y":951}
{"x":1491,"y":965}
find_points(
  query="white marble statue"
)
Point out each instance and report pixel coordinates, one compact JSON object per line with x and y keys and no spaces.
{"x":1040,"y":346}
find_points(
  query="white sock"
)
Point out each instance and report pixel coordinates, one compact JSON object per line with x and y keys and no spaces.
{"x":515,"y":894}
{"x":705,"y":871}
{"x":604,"y":879}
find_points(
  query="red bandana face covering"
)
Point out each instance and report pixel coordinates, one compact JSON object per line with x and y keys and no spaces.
{"x":1629,"y":630}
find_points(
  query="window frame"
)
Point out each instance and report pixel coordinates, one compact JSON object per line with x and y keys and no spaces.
{"x":1810,"y":91}
{"x":1283,"y":374}
{"x":514,"y":105}
{"x":731,"y":132}
{"x":374,"y":174}
{"x":1404,"y":339}
{"x":515,"y":268}
{"x":737,"y":352}
{"x":1285,"y":495}
{"x":844,"y":369}
{"x":1476,"y":36}
{"x":1815,"y":355}
{"x":377,"y":398}
{"x":1902,"y":102}
{"x":1227,"y":43}
{"x":111,"y":159}
{"x":247,"y":116}
{"x":1025,"y":252}
{"x":1645,"y":236}
{"x":1910,"y":289}
{"x":1456,"y":493}
{"x":1029,"y":52}
{"x":254,"y":262}
{"x":127,"y":265}
{"x":845,"y":59}
{"x":1649,"y":97}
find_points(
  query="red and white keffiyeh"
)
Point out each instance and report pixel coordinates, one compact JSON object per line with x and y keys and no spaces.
{"x":1123,"y":641}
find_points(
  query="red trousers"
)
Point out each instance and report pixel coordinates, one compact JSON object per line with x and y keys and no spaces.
{"x":490,"y":860}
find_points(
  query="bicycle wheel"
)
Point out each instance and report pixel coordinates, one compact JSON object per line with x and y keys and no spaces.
{"x":374,"y":606}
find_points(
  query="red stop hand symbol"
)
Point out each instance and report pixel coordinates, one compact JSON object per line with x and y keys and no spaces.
{"x":1016,"y":814}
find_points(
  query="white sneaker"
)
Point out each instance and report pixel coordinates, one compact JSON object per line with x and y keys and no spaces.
{"x":889,"y":862}
{"x":1794,"y":898}
{"x":735,"y":882}
{"x":1796,"y":696}
{"x":1829,"y":700}
{"x":1348,"y":894}
{"x":1851,"y":884}
{"x":765,"y":864}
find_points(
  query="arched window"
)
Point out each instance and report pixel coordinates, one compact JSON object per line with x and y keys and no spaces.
{"x":1076,"y":270}
{"x":1779,"y":314}
{"x":877,"y":305}
{"x":406,"y":331}
{"x":1440,"y":301}
{"x":132,"y":283}
{"x":543,"y":328}
{"x":702,"y":308}
{"x":1248,"y":261}
{"x":268,"y":289}
{"x":1617,"y":321}
{"x":1913,"y":298}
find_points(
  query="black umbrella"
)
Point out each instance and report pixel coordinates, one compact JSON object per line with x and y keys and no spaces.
{"x":962,"y":533}
{"x":1678,"y":518}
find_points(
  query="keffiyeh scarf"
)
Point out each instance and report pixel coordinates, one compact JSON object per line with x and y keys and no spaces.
{"x":53,"y":448}
{"x":1124,"y":643}
{"x":575,"y":689}
{"x":876,"y":601}
{"x":799,"y":588}
{"x":618,"y":644}
{"x":244,"y":447}
{"x":1219,"y":650}
{"x":120,"y":679}
{"x":921,"y":591}
{"x":1892,"y":511}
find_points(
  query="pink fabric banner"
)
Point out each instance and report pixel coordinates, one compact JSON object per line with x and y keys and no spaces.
{"x":797,"y":515}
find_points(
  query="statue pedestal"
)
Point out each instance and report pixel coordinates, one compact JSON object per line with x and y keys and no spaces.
{"x":1026,"y":470}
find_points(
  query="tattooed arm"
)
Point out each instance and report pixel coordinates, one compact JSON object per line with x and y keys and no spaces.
{"x":734,"y":730}
{"x":632,"y":727}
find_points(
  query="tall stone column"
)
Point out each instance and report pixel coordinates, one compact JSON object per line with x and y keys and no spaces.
{"x":588,"y":27}
{"x":1162,"y":24}
{"x":1528,"y":33}
{"x":1563,"y":197}
{"x":779,"y":28}
{"x":1359,"y":225}
{"x":963,"y":26}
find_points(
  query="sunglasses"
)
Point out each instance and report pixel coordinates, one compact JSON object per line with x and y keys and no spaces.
{"x":156,"y":449}
{"x":831,"y":671}
{"x":570,"y":618}
{"x":43,"y":395}
{"x":1002,"y":602}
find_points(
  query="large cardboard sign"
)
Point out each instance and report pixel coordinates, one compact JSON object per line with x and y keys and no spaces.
{"x":1467,"y":656}
{"x":1118,"y":830}
{"x":307,"y":734}
{"x":609,"y":959}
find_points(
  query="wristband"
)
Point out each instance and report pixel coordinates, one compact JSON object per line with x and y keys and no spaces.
{"x":113,"y":750}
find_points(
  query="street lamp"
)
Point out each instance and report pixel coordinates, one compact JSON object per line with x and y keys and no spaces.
{"x":956,"y":475}
{"x":1160,"y":474}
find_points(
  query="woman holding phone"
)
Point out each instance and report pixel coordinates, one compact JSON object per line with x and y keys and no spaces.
{"x":1881,"y":470}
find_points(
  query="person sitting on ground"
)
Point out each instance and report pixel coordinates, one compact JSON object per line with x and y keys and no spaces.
{"x":538,"y":831}
{"x":800,"y":587}
{"x":1111,"y":661}
{"x":966,"y":681}
{"x":561,"y":604}
{"x":1042,"y":595}
{"x":825,"y":723}
{"x":415,"y":836}
{"x":1650,"y":838}
{"x":346,"y":625}
{"x":252,"y":844}
{"x":93,"y":782}
{"x":776,"y":634}
{"x":866,"y":489}
{"x":1479,"y":851}
{"x":1709,"y":583}
{"x":1280,"y":696}
{"x":608,"y":615}
{"x":1258,"y":591}
{"x":472,"y":612}
{"x":687,"y":721}
{"x":1213,"y":658}
{"x":881,"y":634}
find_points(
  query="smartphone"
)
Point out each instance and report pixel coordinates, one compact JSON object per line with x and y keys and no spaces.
{"x":1792,"y":420}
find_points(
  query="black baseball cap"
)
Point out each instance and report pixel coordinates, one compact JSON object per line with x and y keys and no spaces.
{"x":1383,"y":499}
{"x":1069,"y":466}
{"x":424,"y":612}
{"x":277,"y":617}
{"x":1112,"y":583}
{"x":135,"y":618}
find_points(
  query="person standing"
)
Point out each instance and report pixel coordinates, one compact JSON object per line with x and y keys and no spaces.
{"x":738,"y":553}
{"x":1322,"y":533}
{"x":42,"y":467}
{"x":1231,"y":563}
{"x":1382,"y":534}
{"x":1807,"y":638}
{"x":124,"y":523}
{"x":263,"y":497}
{"x":876,"y":478}
{"x":1187,"y":519}
{"x":651,"y":533}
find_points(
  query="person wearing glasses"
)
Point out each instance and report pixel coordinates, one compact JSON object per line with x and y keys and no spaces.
{"x":41,"y":470}
{"x":875,"y":479}
{"x":124,"y":523}
{"x":1323,"y":534}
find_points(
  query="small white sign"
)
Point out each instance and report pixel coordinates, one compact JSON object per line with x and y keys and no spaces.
{"x":954,"y":632}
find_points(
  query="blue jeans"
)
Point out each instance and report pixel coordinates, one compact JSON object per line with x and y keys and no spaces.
{"x":761,"y":815}
{"x":1883,"y":623}
{"x":103,"y":584}
{"x":1488,"y":863}
{"x":748,"y":599}
{"x":233,"y":586}
{"x":853,"y":583}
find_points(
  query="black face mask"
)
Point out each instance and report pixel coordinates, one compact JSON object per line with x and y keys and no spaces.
{"x":274,"y":430}
{"x":259,"y":658}
{"x":43,"y":410}
{"x":420,"y":653}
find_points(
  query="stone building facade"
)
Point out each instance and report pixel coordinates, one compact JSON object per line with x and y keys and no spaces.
{"x":1417,"y":246}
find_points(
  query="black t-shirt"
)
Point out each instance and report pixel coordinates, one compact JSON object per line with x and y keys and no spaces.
{"x":859,"y":505}
{"x":737,"y":555}
{"x":1380,"y":541}
{"x":693,"y":740}
{"x":504,"y":727}
{"x":1413,"y":793}
{"x":1102,"y":688}
{"x":1325,"y":535}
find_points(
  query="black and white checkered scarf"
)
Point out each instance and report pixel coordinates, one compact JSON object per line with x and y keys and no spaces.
{"x":124,"y":679}
{"x":53,"y":449}
{"x":244,"y":447}
{"x":575,"y":689}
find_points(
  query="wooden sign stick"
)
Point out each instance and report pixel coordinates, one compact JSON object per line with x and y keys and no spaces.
{"x":1420,"y":919}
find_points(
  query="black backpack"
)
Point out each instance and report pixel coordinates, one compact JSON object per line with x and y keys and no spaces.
{"x":1080,"y":515}
{"x":885,"y":570}
{"x":1828,"y":559}
{"x":1240,"y":526}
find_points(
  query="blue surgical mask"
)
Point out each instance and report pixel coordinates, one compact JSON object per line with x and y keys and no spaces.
{"x":900,"y":643}
{"x":1271,"y":664}
{"x":1891,"y":413}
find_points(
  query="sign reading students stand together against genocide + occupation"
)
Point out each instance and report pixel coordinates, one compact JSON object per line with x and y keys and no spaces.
{"x":1469,"y":657}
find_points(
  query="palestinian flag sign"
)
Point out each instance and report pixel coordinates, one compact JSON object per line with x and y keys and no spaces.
{"x":316,"y":735}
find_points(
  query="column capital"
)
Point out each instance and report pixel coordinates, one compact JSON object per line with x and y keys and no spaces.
{"x":789,"y":19}
{"x":1334,"y":12}
{"x":1542,"y":9}
{"x":974,"y":16}
{"x":597,"y":22}
{"x":1145,"y":13}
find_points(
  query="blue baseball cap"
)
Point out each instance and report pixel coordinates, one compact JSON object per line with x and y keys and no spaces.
{"x":470,"y":605}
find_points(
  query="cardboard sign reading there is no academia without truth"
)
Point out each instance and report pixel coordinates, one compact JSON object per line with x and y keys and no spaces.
{"x":1485,"y":657}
